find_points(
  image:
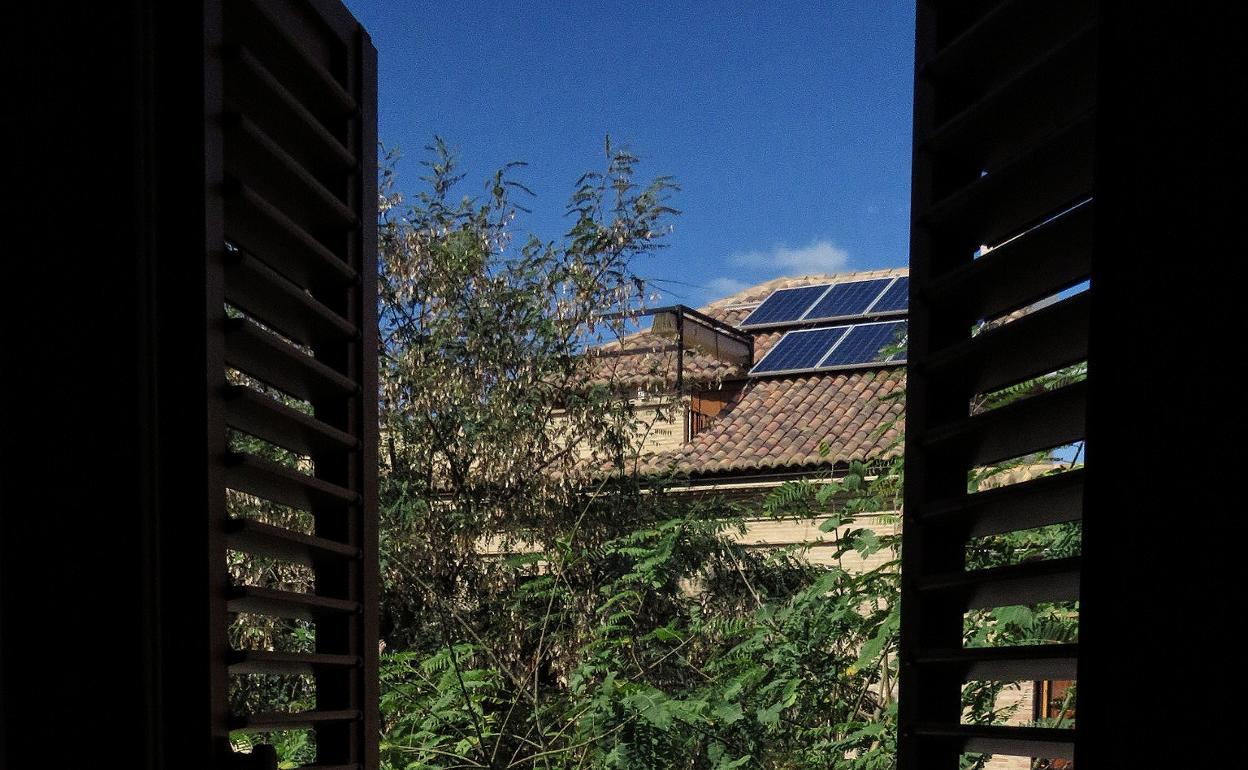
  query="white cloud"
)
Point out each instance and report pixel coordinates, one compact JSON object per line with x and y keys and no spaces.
{"x":818,"y":257}
{"x":725,"y":285}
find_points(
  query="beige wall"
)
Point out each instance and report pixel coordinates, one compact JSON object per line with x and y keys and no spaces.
{"x":659,"y":424}
{"x":771,"y":533}
{"x":1020,"y":697}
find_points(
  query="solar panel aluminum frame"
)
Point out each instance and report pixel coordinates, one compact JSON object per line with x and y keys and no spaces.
{"x":872,"y":312}
{"x":849,"y":328}
{"x":804,"y":318}
{"x":746,"y":325}
{"x":807,"y":318}
{"x":864,"y":364}
{"x":775,"y":348}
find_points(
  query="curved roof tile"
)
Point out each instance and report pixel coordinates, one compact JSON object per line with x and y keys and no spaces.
{"x":777,"y":423}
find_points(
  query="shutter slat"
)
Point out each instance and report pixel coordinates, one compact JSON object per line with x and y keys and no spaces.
{"x":294,"y":123}
{"x":1010,"y":33}
{"x":1052,"y":257}
{"x":955,"y":55}
{"x":268,"y":296}
{"x":311,"y":71}
{"x":288,"y":604}
{"x":1007,"y":664}
{"x":1054,"y":580}
{"x":1041,"y":422}
{"x":296,"y":720}
{"x":269,"y":662}
{"x":1040,"y":181}
{"x":256,"y":153}
{"x":262,"y":539}
{"x":247,"y":71}
{"x":265,"y":356}
{"x":267,"y":418}
{"x":1046,"y":742}
{"x":1041,"y":342}
{"x":1026,"y":505}
{"x":258,"y":227}
{"x":1005,"y":122}
{"x":276,"y":482}
{"x":1050,"y":92}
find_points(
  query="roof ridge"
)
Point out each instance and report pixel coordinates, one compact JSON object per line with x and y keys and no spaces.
{"x":754,"y":295}
{"x":760,"y":291}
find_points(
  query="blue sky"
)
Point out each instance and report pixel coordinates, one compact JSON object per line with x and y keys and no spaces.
{"x":787,"y":125}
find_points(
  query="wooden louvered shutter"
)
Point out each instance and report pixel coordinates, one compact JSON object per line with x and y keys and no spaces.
{"x":295,"y":265}
{"x":1004,"y":127}
{"x":148,"y":134}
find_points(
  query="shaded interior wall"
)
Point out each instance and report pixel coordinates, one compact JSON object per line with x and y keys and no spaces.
{"x":84,"y":587}
{"x":1172,"y":158}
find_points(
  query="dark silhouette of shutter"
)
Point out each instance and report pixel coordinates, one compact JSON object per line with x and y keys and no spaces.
{"x":1003,"y":158}
{"x":1022,"y":110}
{"x":296,"y":263}
{"x":147,"y":136}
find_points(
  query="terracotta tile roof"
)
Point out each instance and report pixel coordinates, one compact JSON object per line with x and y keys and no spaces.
{"x":777,"y":424}
{"x":734,"y":308}
{"x":782,"y":424}
{"x":651,"y":369}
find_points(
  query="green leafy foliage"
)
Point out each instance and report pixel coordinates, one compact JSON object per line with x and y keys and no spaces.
{"x":545,"y":607}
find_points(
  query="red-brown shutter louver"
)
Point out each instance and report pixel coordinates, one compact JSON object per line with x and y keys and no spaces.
{"x":296,"y":339}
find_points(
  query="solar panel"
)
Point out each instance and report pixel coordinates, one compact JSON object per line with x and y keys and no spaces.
{"x":895,"y":299}
{"x":799,"y":350}
{"x":847,"y":299}
{"x":863,"y":343}
{"x":785,"y":305}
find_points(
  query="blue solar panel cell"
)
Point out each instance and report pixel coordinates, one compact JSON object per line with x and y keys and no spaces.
{"x":799,"y":350}
{"x":895,"y":299}
{"x":785,"y":305}
{"x":863,"y":345}
{"x":847,"y":299}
